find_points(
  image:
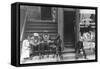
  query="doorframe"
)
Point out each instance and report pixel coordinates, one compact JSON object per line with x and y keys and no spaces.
{"x":75,"y":26}
{"x":61,"y":24}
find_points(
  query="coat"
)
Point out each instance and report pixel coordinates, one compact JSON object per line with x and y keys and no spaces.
{"x":25,"y":49}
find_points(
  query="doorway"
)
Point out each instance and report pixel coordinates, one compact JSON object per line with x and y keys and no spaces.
{"x":68,"y":29}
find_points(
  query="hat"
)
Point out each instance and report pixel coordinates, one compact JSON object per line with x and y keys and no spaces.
{"x":36,"y":34}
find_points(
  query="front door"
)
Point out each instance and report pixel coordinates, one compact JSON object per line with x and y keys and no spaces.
{"x":69,"y":32}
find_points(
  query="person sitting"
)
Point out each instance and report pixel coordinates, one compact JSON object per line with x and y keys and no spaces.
{"x":45,"y":44}
{"x":25,"y":52}
{"x":58,"y":42}
{"x":46,"y":37}
{"x":35,"y":41}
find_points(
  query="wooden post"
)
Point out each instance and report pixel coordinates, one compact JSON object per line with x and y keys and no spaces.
{"x":60,"y":24}
{"x":77,"y":27}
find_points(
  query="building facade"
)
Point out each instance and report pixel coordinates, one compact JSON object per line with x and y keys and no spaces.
{"x":71,"y":24}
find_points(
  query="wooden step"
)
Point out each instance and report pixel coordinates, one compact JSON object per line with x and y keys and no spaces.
{"x":40,"y":23}
{"x":43,"y":25}
{"x":29,"y":22}
{"x":66,"y":44}
{"x":69,"y":55}
{"x":68,"y":50}
{"x":69,"y":44}
{"x":32,"y":20}
{"x":44,"y":28}
{"x":50,"y":33}
{"x":39,"y":30}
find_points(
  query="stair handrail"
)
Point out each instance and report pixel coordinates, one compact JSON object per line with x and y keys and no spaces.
{"x":23,"y":27}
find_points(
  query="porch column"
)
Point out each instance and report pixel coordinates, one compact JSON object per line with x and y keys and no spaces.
{"x":60,"y":24}
{"x":77,"y":24}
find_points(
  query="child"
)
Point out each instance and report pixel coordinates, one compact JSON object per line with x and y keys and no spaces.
{"x":25,"y":49}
